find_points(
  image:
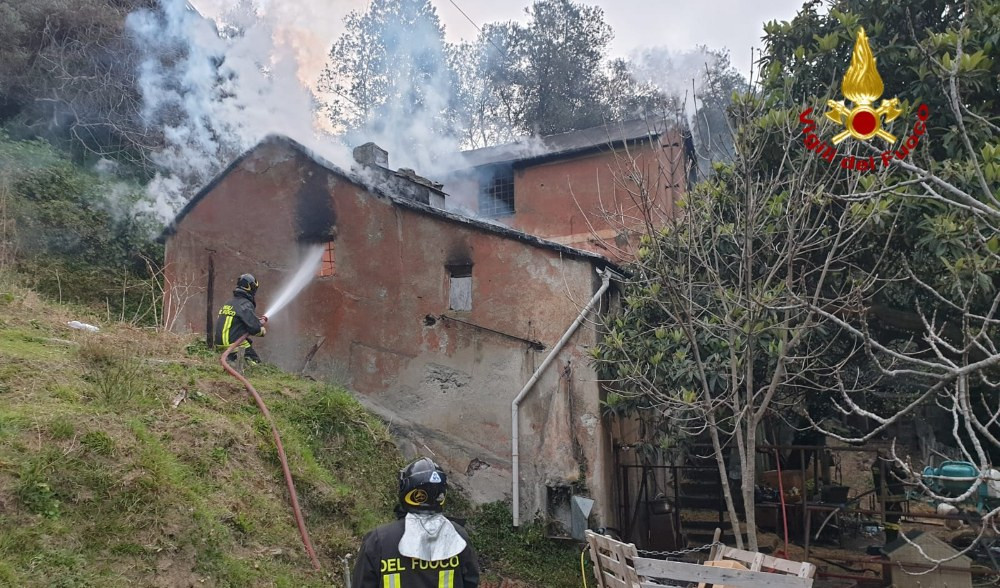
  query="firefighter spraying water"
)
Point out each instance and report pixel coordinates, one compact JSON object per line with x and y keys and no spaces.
{"x":238,"y":316}
{"x":236,"y":321}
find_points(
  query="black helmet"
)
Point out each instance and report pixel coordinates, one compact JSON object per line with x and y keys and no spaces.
{"x":247,"y":283}
{"x":422,"y":486}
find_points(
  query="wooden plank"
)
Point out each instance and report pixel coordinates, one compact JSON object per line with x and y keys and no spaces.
{"x":610,"y":559}
{"x":785,"y":565}
{"x":680,"y":571}
{"x":720,"y":563}
{"x":594,"y":552}
{"x":613,"y":582}
{"x":807,"y":570}
{"x":613,"y":564}
{"x":714,"y":552}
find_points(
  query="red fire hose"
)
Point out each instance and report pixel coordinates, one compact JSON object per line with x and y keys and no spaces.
{"x":293,"y":498}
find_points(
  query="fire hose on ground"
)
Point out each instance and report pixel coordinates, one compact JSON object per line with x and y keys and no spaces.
{"x":292,"y":496}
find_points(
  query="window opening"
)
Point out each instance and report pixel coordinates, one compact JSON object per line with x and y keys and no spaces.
{"x":460,"y":290}
{"x":328,"y":266}
{"x":496,"y":192}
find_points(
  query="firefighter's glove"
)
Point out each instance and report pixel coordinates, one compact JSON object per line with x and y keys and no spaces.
{"x":263,"y":332}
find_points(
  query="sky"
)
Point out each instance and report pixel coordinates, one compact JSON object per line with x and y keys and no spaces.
{"x":677,"y":25}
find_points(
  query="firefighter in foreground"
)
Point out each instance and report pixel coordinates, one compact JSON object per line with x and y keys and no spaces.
{"x":423,"y":549}
{"x":237,"y":318}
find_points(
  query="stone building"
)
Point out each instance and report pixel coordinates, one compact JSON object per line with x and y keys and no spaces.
{"x":436,"y":321}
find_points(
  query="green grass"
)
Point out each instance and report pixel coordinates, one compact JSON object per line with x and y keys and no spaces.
{"x":103,"y":483}
{"x":524,"y":553}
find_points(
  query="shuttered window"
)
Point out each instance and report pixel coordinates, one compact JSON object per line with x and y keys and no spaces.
{"x":460,"y":288}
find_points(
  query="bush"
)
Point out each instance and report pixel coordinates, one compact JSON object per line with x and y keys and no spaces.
{"x":75,"y":234}
{"x":524,"y":553}
{"x":118,"y":375}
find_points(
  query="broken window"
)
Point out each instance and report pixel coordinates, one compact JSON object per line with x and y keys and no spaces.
{"x":496,"y":191}
{"x":460,"y":294}
{"x":328,"y":266}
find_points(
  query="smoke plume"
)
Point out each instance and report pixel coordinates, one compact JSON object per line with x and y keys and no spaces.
{"x":390,"y":80}
{"x":214,"y":91}
{"x":675,"y":73}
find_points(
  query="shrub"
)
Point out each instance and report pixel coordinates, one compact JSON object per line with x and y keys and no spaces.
{"x":118,"y":375}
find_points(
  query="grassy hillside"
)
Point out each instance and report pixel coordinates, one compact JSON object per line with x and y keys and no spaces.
{"x":104,"y":483}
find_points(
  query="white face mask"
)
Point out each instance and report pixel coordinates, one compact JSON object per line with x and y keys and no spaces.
{"x":430,"y":537}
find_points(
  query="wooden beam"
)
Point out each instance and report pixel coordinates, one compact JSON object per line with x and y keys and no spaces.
{"x":767,"y":561}
{"x":685,"y":572}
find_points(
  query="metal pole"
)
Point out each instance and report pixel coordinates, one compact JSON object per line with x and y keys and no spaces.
{"x":678,"y":538}
{"x":626,"y":498}
{"x":808,"y":532}
{"x":883,"y":488}
{"x":805,"y":493}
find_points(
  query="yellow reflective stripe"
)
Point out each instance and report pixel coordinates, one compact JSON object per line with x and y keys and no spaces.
{"x":225,"y":330}
{"x":446,"y":579}
{"x":390,"y":581}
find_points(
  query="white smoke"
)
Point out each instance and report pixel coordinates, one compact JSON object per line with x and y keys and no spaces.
{"x":703,"y":80}
{"x":215,"y":94}
{"x":411,"y":111}
{"x":675,"y":73}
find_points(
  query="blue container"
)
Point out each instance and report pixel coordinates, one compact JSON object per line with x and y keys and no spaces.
{"x":952,"y":469}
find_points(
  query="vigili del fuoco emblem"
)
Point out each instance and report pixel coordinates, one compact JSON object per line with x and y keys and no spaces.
{"x":863,"y":86}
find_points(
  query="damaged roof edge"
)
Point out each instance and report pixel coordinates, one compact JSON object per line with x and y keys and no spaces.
{"x":379,"y":191}
{"x":534,"y":151}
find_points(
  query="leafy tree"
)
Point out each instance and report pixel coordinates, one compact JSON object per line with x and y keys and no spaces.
{"x":561,"y":55}
{"x":718,"y":330}
{"x":551,"y":75}
{"x":68,"y":73}
{"x":942,"y":272}
{"x":909,"y":308}
{"x":390,"y":72}
{"x":491,"y":86}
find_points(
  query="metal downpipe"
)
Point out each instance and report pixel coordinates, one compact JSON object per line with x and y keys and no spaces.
{"x":515,"y":405}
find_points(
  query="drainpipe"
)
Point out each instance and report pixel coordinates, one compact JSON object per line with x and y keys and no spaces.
{"x":515,"y":406}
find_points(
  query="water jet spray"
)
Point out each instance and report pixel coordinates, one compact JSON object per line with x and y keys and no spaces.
{"x":302,"y":277}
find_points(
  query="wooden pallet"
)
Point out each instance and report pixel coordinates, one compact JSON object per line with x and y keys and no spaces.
{"x":617,"y":565}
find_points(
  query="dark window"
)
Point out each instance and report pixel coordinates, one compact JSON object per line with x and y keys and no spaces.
{"x":496,"y":191}
{"x":460,"y":287}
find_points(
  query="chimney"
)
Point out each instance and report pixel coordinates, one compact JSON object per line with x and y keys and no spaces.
{"x":405,"y":183}
{"x":371,"y":154}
